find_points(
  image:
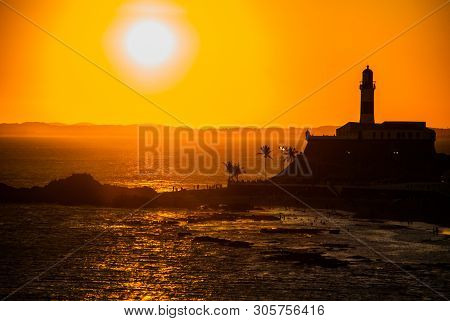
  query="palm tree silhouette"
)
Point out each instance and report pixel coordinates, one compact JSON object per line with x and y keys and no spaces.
{"x":265,"y":152}
{"x":237,"y":170}
{"x":291,"y":154}
{"x":229,"y":169}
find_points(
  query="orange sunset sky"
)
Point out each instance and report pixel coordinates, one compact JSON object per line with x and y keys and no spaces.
{"x":227,"y":63}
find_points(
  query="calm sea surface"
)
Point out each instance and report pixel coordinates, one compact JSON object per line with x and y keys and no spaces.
{"x":25,"y":162}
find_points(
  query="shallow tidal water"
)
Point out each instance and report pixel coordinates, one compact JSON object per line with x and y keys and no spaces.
{"x":264,"y":254}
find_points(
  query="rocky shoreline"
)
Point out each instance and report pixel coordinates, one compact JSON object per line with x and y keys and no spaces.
{"x":83,"y":189}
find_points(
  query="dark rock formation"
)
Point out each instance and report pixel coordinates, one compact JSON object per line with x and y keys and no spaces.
{"x":78,"y":189}
{"x":224,"y":242}
{"x":303,"y":257}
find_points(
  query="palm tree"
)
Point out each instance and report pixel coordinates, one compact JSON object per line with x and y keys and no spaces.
{"x":237,"y":170}
{"x":229,"y":169}
{"x":265,"y":152}
{"x":291,"y":154}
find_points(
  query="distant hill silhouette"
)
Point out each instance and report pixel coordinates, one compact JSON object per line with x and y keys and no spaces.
{"x":38,"y":129}
{"x":78,"y":189}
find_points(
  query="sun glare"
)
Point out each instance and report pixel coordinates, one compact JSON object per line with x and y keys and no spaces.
{"x":149,"y":43}
{"x":151,"y":46}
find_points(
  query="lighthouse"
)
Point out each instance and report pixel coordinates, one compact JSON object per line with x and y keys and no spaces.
{"x":367,"y":88}
{"x":367,"y":152}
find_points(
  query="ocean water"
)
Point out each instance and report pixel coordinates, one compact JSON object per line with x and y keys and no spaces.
{"x":26,"y":162}
{"x":266,"y":254}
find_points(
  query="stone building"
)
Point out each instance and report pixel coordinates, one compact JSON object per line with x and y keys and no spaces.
{"x":366,"y":151}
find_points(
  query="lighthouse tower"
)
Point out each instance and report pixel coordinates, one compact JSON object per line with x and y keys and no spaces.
{"x":367,"y":88}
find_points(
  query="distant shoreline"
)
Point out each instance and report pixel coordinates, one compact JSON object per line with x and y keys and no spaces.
{"x":39,"y":129}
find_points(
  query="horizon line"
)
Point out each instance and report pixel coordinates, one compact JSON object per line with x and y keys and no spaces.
{"x":88,"y":124}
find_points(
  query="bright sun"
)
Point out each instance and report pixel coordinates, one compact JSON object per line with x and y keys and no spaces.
{"x":149,"y":43}
{"x":151,"y":46}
